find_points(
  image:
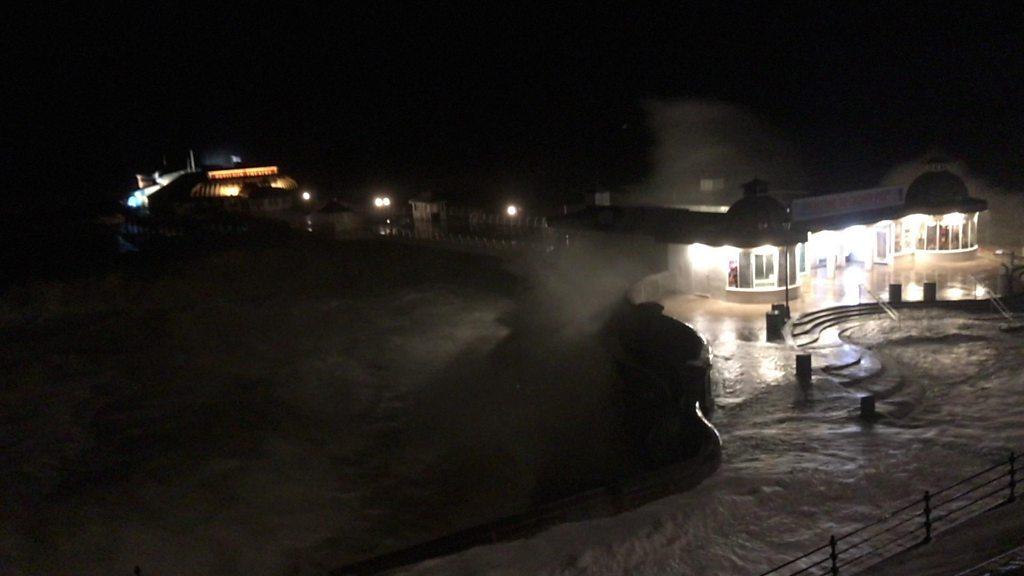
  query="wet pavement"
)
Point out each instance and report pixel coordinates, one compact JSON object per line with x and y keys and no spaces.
{"x":722,"y":322}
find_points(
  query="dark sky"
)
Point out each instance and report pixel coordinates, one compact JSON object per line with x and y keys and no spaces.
{"x":542,"y":104}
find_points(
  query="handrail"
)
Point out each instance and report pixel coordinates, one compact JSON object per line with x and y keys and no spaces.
{"x":835,"y":557}
{"x":995,"y":300}
{"x":884,"y":305}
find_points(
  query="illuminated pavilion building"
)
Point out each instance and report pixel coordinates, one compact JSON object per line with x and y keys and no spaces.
{"x":254,"y":188}
{"x":739,"y":255}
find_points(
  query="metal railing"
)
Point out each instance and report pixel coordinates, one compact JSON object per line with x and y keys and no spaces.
{"x":885,"y":306}
{"x":909,"y":526}
{"x":996,"y":301}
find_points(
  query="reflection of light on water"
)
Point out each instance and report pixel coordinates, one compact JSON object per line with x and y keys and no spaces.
{"x":913,"y":291}
{"x":728,"y":331}
{"x":852,"y":279}
{"x":769,"y":369}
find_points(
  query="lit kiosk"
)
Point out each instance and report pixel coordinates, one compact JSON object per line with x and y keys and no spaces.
{"x":934,"y":220}
{"x":941,"y":221}
{"x":739,"y":256}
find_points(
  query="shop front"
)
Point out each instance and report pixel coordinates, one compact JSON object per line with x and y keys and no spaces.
{"x":750,"y":256}
{"x":763,"y":251}
{"x":934,"y":220}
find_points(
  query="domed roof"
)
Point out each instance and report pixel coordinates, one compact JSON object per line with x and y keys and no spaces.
{"x":756,"y":210}
{"x":935,"y":189}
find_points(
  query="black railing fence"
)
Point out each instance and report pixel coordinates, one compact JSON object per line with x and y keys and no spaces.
{"x":909,"y":526}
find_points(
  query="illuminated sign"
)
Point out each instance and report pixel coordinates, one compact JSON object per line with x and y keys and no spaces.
{"x":242,"y":172}
{"x":845,"y":202}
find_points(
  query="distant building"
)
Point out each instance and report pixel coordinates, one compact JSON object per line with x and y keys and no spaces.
{"x":254,"y":188}
{"x":428,"y":210}
{"x":335,"y":217}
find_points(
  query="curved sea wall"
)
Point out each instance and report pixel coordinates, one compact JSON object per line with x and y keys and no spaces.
{"x":665,"y":368}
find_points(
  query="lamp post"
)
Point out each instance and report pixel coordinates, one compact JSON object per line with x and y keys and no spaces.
{"x":785,"y":225}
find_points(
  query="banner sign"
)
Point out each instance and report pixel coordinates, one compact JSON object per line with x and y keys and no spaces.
{"x":814,"y":207}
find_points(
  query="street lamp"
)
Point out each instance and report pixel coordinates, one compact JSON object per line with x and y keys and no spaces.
{"x":306,"y":196}
{"x":382,"y":201}
{"x":511,"y":210}
{"x":787,"y":226}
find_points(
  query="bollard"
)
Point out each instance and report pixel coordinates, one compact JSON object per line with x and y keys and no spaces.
{"x":895,"y":294}
{"x":803,"y":369}
{"x":930,"y":292}
{"x":867,"y":406}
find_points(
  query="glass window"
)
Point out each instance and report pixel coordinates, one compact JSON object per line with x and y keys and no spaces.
{"x":954,"y":237}
{"x":764,"y":269}
{"x":801,"y":258}
{"x":909,"y":237}
{"x":745,"y":272}
{"x":734,"y":274}
{"x":931,"y":236}
{"x":944,"y":237}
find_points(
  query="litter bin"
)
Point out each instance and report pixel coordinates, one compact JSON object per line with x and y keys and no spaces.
{"x":773,"y":323}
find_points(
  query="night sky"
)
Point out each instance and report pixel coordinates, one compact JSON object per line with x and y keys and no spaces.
{"x":541,"y":104}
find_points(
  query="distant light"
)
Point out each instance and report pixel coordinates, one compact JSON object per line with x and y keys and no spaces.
{"x":306,"y":196}
{"x":378,"y":201}
{"x":511,"y":210}
{"x":386,"y":201}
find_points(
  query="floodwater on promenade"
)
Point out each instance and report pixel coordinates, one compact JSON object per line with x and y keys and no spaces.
{"x":796,"y":471}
